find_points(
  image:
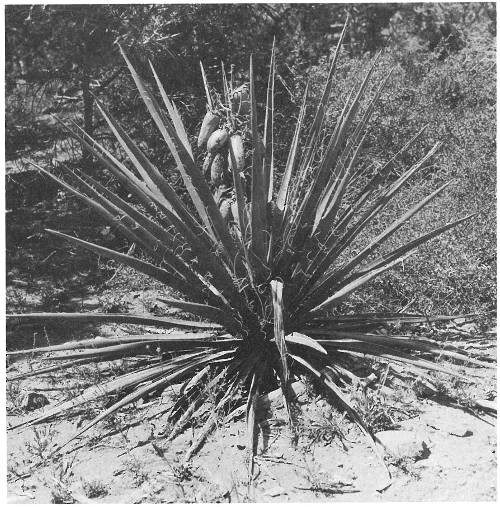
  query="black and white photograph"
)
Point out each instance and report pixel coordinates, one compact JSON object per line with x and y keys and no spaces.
{"x":250,"y":252}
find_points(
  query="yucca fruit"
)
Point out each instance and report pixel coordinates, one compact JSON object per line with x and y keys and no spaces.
{"x":207,"y":164}
{"x":209,"y":125}
{"x":218,"y":169}
{"x":236,"y":154}
{"x":267,"y":287}
{"x":225,"y":209}
{"x":217,"y":140}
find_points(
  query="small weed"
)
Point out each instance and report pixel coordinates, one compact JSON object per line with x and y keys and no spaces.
{"x":113,"y":303}
{"x":60,"y":489}
{"x":182,"y":472}
{"x":13,"y":396}
{"x":324,"y":430}
{"x":61,"y":494}
{"x":17,"y":469}
{"x":136,"y":468}
{"x":42,"y":443}
{"x":320,"y":482}
{"x":443,"y":386}
{"x":94,"y":489}
{"x":65,"y":469}
{"x":16,"y":298}
{"x":375,"y":411}
{"x":243,"y":490}
{"x":52,"y":298}
{"x":406,"y":465}
{"x":150,"y":304}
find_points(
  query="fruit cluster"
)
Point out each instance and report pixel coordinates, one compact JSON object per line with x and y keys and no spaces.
{"x":222,"y":135}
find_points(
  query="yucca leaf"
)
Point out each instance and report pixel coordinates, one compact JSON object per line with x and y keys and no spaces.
{"x":242,"y":217}
{"x":195,"y":183}
{"x":197,"y":237}
{"x":120,"y":170}
{"x":131,"y":347}
{"x":134,"y":154}
{"x":350,"y":409}
{"x":207,"y":311}
{"x":408,"y":343}
{"x":222,"y":316}
{"x":186,"y":283}
{"x":360,"y":129}
{"x":156,"y":183}
{"x":99,"y":341}
{"x":334,"y":149}
{"x":360,"y":199}
{"x":282,"y":198}
{"x":94,"y":318}
{"x":386,"y":318}
{"x":170,"y":203}
{"x":121,"y":383}
{"x":186,"y":417}
{"x":211,"y":422}
{"x":207,"y":90}
{"x":259,"y":188}
{"x":157,"y":230}
{"x":144,"y":390}
{"x":389,"y":353}
{"x":309,"y":275}
{"x":105,"y":353}
{"x":268,"y":128}
{"x":353,"y":145}
{"x":126,"y":231}
{"x":355,"y":284}
{"x":305,"y":341}
{"x":332,"y":198}
{"x":173,"y":113}
{"x":194,"y":381}
{"x":154,"y":240}
{"x":317,"y":123}
{"x":49,"y":369}
{"x":408,"y":247}
{"x":279,"y":337}
{"x":328,"y":281}
{"x":168,"y":277}
{"x":134,"y":232}
{"x":377,"y":241}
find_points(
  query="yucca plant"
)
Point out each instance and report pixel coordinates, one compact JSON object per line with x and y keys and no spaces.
{"x":267,"y":284}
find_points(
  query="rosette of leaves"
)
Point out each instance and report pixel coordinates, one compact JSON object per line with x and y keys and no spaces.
{"x":268,"y":288}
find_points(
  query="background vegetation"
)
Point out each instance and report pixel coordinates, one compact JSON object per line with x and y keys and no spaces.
{"x":444,"y":63}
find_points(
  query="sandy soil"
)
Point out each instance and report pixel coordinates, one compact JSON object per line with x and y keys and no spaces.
{"x":127,"y":460}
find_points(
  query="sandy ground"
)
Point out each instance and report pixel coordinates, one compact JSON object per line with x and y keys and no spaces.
{"x":127,"y":460}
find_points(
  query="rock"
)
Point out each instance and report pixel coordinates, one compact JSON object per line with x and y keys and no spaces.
{"x":456,"y":427}
{"x":276,"y":491}
{"x":462,"y":433}
{"x":403,"y":444}
{"x":32,"y":400}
